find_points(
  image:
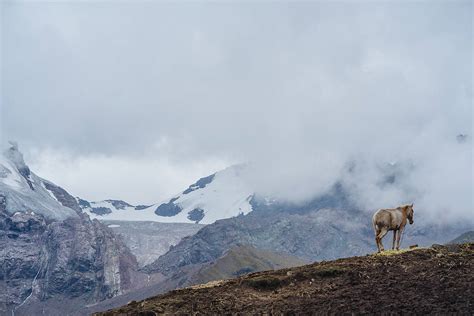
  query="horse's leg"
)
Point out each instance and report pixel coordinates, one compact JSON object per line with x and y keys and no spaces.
{"x":377,"y":240}
{"x":382,"y":233}
{"x":400,"y":232}
{"x":394,"y":238}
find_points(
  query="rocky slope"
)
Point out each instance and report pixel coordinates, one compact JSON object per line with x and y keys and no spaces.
{"x":237,"y":261}
{"x":73,"y":258}
{"x":423,"y":281}
{"x":149,"y":240}
{"x":310,"y":236}
{"x":241,"y":260}
{"x":50,"y":251}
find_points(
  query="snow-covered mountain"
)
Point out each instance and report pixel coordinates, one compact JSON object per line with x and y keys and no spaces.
{"x":221,"y":195}
{"x":25,"y":191}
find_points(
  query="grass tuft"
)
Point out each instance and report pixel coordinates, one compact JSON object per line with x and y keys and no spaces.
{"x":320,"y":272}
{"x":263,"y":282}
{"x":393,"y":252}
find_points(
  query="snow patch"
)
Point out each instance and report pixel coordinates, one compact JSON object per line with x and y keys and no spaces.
{"x":9,"y":177}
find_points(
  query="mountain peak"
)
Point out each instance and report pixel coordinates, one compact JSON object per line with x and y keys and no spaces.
{"x":23,"y":191}
{"x":15,"y":156}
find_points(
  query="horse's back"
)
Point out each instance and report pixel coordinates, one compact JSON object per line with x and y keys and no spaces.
{"x":381,"y":218}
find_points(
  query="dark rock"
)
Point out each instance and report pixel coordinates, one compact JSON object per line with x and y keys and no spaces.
{"x":62,"y":196}
{"x":101,"y":210}
{"x":141,"y":207}
{"x":83,"y":203}
{"x":201,"y":183}
{"x":168,"y":209}
{"x":15,"y":156}
{"x":25,"y":172}
{"x":196,"y":215}
{"x":24,"y":222}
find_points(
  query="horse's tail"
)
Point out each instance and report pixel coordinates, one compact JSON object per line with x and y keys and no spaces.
{"x":374,"y":222}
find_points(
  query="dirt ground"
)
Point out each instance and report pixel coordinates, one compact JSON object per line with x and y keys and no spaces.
{"x":438,"y":280}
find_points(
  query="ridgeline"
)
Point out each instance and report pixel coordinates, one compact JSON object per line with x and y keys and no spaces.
{"x":436,"y":280}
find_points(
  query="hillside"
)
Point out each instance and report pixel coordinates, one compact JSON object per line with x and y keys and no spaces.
{"x":436,"y":280}
{"x":241,"y":260}
{"x":235,"y":262}
{"x":463,"y":238}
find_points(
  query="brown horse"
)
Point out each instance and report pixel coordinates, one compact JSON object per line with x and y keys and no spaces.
{"x":391,"y":219}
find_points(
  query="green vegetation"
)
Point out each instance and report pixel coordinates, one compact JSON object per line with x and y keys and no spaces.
{"x":264,"y":282}
{"x":393,"y":252}
{"x":325,"y":271}
{"x":328,"y":272}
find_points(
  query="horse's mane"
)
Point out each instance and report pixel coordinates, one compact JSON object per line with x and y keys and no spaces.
{"x":404,"y":206}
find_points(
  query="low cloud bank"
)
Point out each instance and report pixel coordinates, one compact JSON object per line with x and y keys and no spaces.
{"x":373,"y":95}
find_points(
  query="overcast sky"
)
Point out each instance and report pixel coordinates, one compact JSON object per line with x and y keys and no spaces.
{"x":136,"y":100}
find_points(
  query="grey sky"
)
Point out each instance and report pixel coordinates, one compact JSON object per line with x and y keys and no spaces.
{"x":135,"y":100}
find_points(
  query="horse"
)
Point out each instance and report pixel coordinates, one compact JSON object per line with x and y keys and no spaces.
{"x":391,"y":219}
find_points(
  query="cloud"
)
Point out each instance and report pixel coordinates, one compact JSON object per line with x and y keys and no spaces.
{"x":135,"y":180}
{"x":302,"y":90}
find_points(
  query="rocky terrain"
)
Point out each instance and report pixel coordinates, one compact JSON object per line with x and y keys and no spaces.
{"x":436,"y":280}
{"x":306,"y":236}
{"x":54,"y":258}
{"x":149,"y":240}
{"x":74,"y":258}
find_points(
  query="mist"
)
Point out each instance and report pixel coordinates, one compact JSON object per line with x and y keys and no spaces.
{"x":137,"y":100}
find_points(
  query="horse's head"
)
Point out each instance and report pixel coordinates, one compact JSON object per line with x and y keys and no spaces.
{"x":410,"y":212}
